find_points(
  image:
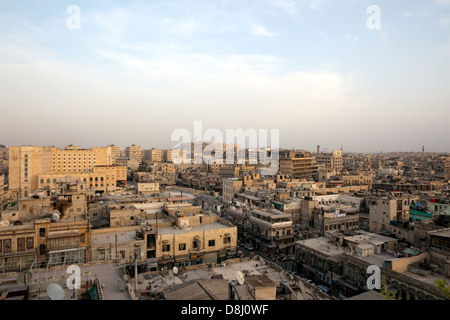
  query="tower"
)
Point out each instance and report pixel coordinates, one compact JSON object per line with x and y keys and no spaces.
{"x":423,"y":151}
{"x":318,"y":149}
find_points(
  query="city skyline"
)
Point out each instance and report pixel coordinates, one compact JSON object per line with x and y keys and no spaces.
{"x":133,"y":73}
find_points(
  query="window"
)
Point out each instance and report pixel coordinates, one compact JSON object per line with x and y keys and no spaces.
{"x":82,"y":237}
{"x":48,"y":180}
{"x":182,"y":246}
{"x":21,"y":244}
{"x":7,"y":245}
{"x":42,"y":180}
{"x":226,"y":240}
{"x":195,"y":245}
{"x":1,"y":247}
{"x":30,"y":243}
{"x":166,"y":248}
{"x":42,"y":232}
{"x":211,"y":243}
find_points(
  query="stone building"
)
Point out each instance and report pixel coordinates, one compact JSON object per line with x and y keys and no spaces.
{"x":28,"y":165}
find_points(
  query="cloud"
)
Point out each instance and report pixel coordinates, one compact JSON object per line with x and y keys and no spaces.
{"x":259,"y":30}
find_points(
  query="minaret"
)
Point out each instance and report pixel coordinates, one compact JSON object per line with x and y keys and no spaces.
{"x":318,"y":149}
{"x":423,"y":151}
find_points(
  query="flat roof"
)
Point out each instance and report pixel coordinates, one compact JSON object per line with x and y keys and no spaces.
{"x":369,"y":237}
{"x":110,"y":237}
{"x":368,"y":295}
{"x":322,"y":245}
{"x":202,"y":227}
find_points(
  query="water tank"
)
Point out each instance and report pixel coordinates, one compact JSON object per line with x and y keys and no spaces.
{"x":56,"y":215}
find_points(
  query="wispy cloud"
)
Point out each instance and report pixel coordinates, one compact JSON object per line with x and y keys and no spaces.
{"x":260,"y":30}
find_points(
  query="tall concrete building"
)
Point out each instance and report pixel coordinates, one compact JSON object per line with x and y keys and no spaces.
{"x":115,"y":153}
{"x":167,"y":155}
{"x":331,"y":160}
{"x":297,"y":165}
{"x":28,"y":162}
{"x":134,"y":152}
{"x":153,"y":155}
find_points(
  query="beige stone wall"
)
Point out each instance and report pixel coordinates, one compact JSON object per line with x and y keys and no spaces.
{"x":147,"y":187}
{"x":107,"y":177}
{"x":187,"y":238}
{"x":401,"y":265}
{"x":28,"y":162}
{"x":30,"y":208}
{"x":123,"y":217}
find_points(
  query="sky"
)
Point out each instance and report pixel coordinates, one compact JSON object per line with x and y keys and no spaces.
{"x":370,"y":76}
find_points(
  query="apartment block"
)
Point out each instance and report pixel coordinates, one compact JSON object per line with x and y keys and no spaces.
{"x":153,"y":155}
{"x":28,"y":162}
{"x":134,"y":152}
{"x":300,"y":166}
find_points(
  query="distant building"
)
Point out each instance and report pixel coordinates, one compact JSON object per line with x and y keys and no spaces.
{"x":153,"y":155}
{"x":28,"y":162}
{"x":230,"y":188}
{"x":134,"y":152}
{"x":298,"y":165}
{"x":115,"y":153}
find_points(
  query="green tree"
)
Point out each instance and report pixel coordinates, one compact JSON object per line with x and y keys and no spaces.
{"x":390,"y":295}
{"x":443,"y":287}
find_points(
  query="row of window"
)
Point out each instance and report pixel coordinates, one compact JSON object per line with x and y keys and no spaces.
{"x":347,"y":225}
{"x":22,"y":244}
{"x":69,"y":155}
{"x":182,"y":246}
{"x":84,"y":179}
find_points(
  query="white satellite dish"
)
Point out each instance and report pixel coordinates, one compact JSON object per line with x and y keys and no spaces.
{"x":175,"y":270}
{"x":55,"y":291}
{"x":240,"y":278}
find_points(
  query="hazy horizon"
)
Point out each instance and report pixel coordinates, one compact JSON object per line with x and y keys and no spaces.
{"x":134,"y":72}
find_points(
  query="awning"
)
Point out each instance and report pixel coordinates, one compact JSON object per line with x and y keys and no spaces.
{"x":183,"y":258}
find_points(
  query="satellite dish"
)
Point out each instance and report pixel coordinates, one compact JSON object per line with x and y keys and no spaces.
{"x":24,"y":277}
{"x":240,"y":278}
{"x":55,"y":291}
{"x":175,"y":270}
{"x":55,"y":215}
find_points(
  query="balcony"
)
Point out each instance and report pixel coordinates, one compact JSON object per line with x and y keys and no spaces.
{"x":290,"y":236}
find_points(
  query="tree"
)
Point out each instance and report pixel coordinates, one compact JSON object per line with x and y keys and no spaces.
{"x":443,"y":287}
{"x":390,"y":295}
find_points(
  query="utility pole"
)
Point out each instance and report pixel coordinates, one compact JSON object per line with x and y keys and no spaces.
{"x":136,"y":272}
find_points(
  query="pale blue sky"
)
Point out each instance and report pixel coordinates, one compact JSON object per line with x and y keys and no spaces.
{"x":137,"y":70}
